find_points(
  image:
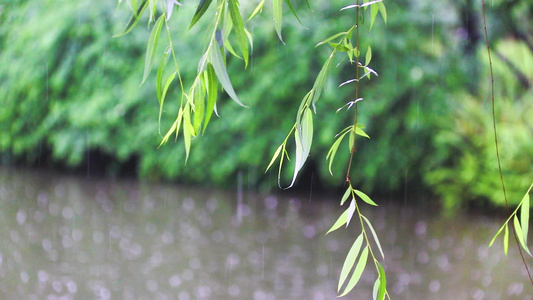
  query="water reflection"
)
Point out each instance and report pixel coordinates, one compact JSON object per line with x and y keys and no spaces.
{"x":77,"y":238}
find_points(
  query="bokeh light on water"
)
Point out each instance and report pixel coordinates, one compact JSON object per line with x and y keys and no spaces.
{"x":78,"y":238}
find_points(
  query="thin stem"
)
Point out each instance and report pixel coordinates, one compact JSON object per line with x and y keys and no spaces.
{"x":352,"y":152}
{"x":496,"y":137}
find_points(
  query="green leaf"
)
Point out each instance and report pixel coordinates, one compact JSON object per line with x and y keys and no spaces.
{"x":351,"y":211}
{"x":160,"y":71}
{"x":134,"y":19}
{"x":321,"y":79}
{"x":292,"y":10}
{"x":368,"y":57}
{"x":274,"y":157}
{"x":152,"y":47}
{"x":374,"y":235}
{"x":361,"y":264}
{"x":174,"y":127}
{"x":340,"y":221}
{"x":164,"y":93}
{"x":199,"y":107}
{"x":212,"y":88}
{"x":200,"y":10}
{"x":374,"y":9}
{"x":304,"y":138}
{"x":383,"y":11}
{"x":222,"y":75}
{"x":524,"y":216}
{"x":277,"y":10}
{"x":364,"y":197}
{"x":333,"y":150}
{"x":520,"y":235}
{"x":329,"y":39}
{"x":375,"y":288}
{"x":187,"y":131}
{"x":361,"y":132}
{"x":346,"y":195}
{"x":258,"y":9}
{"x":506,"y":240}
{"x":240,"y":33}
{"x":382,"y":282}
{"x":349,"y":262}
{"x":497,"y":233}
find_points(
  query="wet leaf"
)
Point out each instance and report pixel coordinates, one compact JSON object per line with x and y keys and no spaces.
{"x":200,"y":10}
{"x":346,"y":195}
{"x":361,"y":132}
{"x":274,"y":157}
{"x":351,"y":211}
{"x":188,"y":131}
{"x":199,"y":107}
{"x":164,"y":93}
{"x":361,"y":264}
{"x":333,"y":150}
{"x":321,"y":79}
{"x":152,"y":47}
{"x":349,"y":262}
{"x":331,"y":38}
{"x":382,"y":282}
{"x":175,"y":127}
{"x":368,"y":56}
{"x":340,"y":221}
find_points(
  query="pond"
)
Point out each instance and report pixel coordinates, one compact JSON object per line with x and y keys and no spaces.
{"x":69,"y":237}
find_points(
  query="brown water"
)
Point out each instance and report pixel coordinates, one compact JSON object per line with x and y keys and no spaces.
{"x":83,"y":238}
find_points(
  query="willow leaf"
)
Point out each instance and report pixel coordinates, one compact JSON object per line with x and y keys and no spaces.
{"x":321,"y":79}
{"x":212,"y":88}
{"x":374,"y":235}
{"x":200,"y":10}
{"x":240,"y":33}
{"x":351,"y":211}
{"x":349,"y":262}
{"x":368,"y":56}
{"x":520,"y":235}
{"x":340,"y":221}
{"x":364,"y":197}
{"x":524,"y":216}
{"x":199,"y":107}
{"x":374,"y":9}
{"x":361,"y":264}
{"x":277,"y":10}
{"x":506,"y":240}
{"x":222,"y":75}
{"x":383,"y":11}
{"x":497,"y":233}
{"x":382,"y":282}
{"x":164,"y":93}
{"x":257,"y":9}
{"x":329,"y":39}
{"x":361,"y":132}
{"x":346,"y":195}
{"x":187,"y":130}
{"x":289,"y":4}
{"x":274,"y":157}
{"x":134,"y":19}
{"x":175,"y":127}
{"x":152,"y":47}
{"x":304,"y":138}
{"x":333,"y":151}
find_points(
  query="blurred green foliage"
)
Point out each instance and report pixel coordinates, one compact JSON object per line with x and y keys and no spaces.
{"x":69,"y":89}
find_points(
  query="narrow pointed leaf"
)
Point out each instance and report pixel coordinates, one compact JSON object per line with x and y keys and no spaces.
{"x":375,"y":289}
{"x":174,"y":127}
{"x":200,"y":10}
{"x":258,"y":9}
{"x":152,"y":47}
{"x":368,"y":56}
{"x":329,"y":39}
{"x":346,"y":195}
{"x":321,"y":79}
{"x":350,"y":260}
{"x":164,"y":93}
{"x":361,"y":264}
{"x":365,"y":198}
{"x":383,"y":11}
{"x":524,"y":216}
{"x":277,"y":10}
{"x":134,"y":19}
{"x":361,"y":132}
{"x":240,"y":33}
{"x":222,"y":75}
{"x":212,"y":88}
{"x":199,"y":107}
{"x":520,"y":235}
{"x":506,"y":240}
{"x":187,"y":131}
{"x":333,"y":151}
{"x":382,"y":282}
{"x":304,"y":138}
{"x":376,"y":239}
{"x":497,"y":233}
{"x":340,"y":221}
{"x":274,"y":157}
{"x":373,"y":14}
{"x":351,"y":211}
{"x":289,"y":4}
